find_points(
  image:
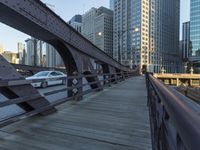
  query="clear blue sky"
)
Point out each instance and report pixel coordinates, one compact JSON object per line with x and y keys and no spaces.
{"x":9,"y":36}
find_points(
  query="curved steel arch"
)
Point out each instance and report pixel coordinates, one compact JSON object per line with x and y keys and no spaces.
{"x":36,"y":19}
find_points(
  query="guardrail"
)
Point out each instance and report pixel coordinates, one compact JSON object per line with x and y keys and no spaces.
{"x":26,"y":70}
{"x":108,"y":80}
{"x":174,"y":118}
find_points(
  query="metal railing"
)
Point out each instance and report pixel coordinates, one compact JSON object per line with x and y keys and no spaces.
{"x":108,"y":80}
{"x":174,"y":118}
{"x":27,"y":70}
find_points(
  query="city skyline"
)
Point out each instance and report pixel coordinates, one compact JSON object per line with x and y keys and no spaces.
{"x":10,"y":44}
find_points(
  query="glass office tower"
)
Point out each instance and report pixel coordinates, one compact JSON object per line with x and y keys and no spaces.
{"x":195,"y":25}
{"x":146,"y":34}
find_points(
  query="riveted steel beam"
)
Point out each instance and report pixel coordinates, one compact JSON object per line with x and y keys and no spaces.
{"x":17,"y":87}
{"x":36,"y":19}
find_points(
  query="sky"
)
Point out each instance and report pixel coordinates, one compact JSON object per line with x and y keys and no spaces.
{"x":10,"y":37}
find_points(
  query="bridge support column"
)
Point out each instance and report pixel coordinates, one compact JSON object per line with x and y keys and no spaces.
{"x":177,"y":81}
{"x":190,"y":80}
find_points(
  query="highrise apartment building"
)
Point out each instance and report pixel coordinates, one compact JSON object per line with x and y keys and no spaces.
{"x":98,"y":28}
{"x":140,"y":38}
{"x":194,"y":25}
{"x":131,"y":31}
{"x":146,"y":33}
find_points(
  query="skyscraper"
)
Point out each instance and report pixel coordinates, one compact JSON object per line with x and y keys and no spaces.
{"x":29,"y":54}
{"x":88,"y":24}
{"x":21,"y":52}
{"x":194,"y":25}
{"x":131,"y":31}
{"x":104,"y":30}
{"x":186,"y":45}
{"x":76,"y":23}
{"x":112,"y":4}
{"x":146,"y":33}
{"x":164,"y":35}
{"x":98,"y":28}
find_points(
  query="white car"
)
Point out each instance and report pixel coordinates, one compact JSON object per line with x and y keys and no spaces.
{"x":46,"y":78}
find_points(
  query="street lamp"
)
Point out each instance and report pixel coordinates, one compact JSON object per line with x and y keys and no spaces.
{"x":99,"y":33}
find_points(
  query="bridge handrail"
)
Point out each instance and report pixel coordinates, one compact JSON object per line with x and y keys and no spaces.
{"x":107,"y":81}
{"x":22,"y":82}
{"x":168,"y":106}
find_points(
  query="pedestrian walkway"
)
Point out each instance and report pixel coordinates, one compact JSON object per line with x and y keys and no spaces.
{"x":115,"y":119}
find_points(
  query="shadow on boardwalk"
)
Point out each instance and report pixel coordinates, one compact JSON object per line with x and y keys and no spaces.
{"x":114,"y":119}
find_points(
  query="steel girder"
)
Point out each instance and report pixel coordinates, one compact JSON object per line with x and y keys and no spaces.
{"x":36,"y":19}
{"x":19,"y":88}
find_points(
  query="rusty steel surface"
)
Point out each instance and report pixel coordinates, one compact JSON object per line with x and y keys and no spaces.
{"x":17,"y":87}
{"x":36,"y":19}
{"x":175,"y":119}
{"x":104,"y":82}
{"x":79,"y":55}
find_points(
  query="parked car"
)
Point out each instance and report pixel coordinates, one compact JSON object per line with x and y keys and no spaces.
{"x":46,"y":78}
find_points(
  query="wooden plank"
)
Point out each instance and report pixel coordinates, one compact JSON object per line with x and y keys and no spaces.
{"x":103,"y":121}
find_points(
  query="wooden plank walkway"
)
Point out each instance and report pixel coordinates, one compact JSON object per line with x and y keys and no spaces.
{"x":114,"y":119}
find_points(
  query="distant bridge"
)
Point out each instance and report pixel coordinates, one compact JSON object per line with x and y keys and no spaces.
{"x":179,"y":79}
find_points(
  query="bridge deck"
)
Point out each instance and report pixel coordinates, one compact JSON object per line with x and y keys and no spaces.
{"x":116,"y":118}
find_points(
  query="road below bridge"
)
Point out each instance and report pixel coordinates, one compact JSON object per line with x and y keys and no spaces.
{"x":116,"y":118}
{"x":51,"y":93}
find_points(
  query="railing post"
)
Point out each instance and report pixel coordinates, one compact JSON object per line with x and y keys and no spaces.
{"x":80,"y":88}
{"x":123,"y":77}
{"x":110,"y":80}
{"x":76,"y":81}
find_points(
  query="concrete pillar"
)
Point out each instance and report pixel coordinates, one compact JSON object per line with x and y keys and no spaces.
{"x":177,"y":81}
{"x":190,"y":80}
